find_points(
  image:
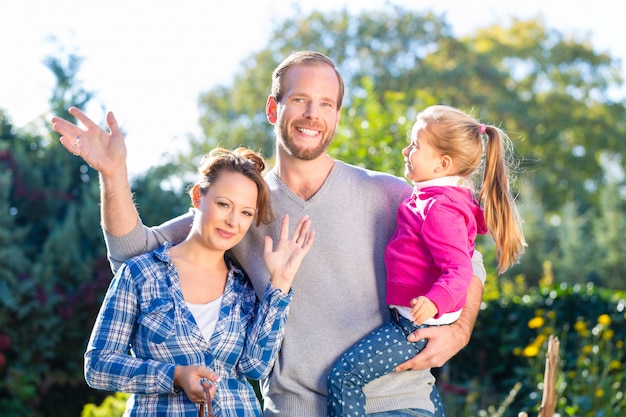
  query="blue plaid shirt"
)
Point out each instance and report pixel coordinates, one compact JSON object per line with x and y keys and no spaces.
{"x":144,"y":329}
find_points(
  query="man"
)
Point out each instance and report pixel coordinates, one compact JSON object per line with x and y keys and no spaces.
{"x":339,"y":290}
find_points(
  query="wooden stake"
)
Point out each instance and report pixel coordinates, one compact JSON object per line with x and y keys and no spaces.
{"x":548,"y":402}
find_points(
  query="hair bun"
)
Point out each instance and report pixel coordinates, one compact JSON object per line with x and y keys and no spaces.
{"x":250,"y":155}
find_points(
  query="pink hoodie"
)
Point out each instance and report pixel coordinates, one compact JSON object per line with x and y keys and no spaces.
{"x":431,"y":250}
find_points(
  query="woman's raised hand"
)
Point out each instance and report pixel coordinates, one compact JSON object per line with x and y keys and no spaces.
{"x":284,"y":261}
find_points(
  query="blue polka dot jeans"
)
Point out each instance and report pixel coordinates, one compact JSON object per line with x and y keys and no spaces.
{"x":376,"y":355}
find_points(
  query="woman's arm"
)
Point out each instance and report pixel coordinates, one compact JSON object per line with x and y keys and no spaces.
{"x":265,"y":334}
{"x":267,"y":329}
{"x":108,"y":366}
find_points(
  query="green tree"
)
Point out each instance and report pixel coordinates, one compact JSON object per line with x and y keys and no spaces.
{"x":549,"y":90}
{"x":572,"y":261}
{"x":52,"y":201}
{"x":609,"y":229}
{"x":68,"y":90}
{"x":160,"y":193}
{"x":14,"y":288}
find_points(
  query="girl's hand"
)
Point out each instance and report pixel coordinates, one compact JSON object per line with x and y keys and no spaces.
{"x":422,"y":309}
{"x":283,"y":262}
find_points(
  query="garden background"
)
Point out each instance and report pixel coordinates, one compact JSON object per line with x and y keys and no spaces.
{"x":549,"y":90}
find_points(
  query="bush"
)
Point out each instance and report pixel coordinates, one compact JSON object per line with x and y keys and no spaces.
{"x":509,"y":343}
{"x":112,"y":406}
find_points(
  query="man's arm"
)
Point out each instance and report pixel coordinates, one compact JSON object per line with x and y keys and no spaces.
{"x":118,"y":213}
{"x":446,"y":341}
{"x":106,"y":153}
{"x":125,"y":235}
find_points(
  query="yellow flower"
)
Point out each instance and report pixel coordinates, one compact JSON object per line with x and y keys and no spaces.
{"x":587,"y":349}
{"x":551,"y":314}
{"x":607,"y":334}
{"x":619,"y":344}
{"x":615,"y":365}
{"x":599,"y":392}
{"x":531,"y":351}
{"x":517,"y":351}
{"x":535,"y":323}
{"x":540,"y":339}
{"x":580,"y":326}
{"x":604,"y":319}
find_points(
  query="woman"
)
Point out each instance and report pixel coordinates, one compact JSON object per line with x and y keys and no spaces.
{"x":183,"y":314}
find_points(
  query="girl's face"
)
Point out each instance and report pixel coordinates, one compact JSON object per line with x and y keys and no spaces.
{"x":422,"y":161}
{"x":226,"y":210}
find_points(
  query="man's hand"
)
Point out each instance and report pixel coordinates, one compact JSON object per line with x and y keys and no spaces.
{"x":103,"y":151}
{"x":106,"y":153}
{"x":443,"y":343}
{"x":446,"y":341}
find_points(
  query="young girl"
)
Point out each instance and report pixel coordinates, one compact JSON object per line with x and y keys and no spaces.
{"x":428,"y":259}
{"x":184,"y":318}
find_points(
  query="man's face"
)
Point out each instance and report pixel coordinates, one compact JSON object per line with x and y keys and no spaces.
{"x":307,"y":115}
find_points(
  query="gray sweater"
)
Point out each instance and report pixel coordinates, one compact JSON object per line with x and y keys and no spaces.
{"x":339,"y":291}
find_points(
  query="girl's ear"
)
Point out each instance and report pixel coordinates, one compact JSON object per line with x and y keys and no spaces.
{"x":445,"y":163}
{"x":195,"y":196}
{"x":270,"y":109}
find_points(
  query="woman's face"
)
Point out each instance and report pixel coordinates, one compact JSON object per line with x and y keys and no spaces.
{"x":226,"y":210}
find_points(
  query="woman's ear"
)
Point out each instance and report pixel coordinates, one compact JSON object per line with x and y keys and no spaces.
{"x":195,"y":196}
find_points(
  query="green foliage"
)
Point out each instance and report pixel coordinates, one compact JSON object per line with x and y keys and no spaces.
{"x":609,"y":229}
{"x":592,"y":378}
{"x":372,"y":134}
{"x":549,"y":90}
{"x":161,"y":194}
{"x":510,"y":340}
{"x":112,"y":406}
{"x":54,"y":271}
{"x":68,"y":90}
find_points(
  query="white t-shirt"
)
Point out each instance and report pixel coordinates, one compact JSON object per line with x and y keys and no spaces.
{"x":206,"y":316}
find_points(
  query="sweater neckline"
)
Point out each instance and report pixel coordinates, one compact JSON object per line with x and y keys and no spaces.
{"x":273,"y":178}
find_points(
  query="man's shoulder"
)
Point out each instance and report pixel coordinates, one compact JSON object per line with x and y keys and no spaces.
{"x":374,"y":185}
{"x":370,"y":175}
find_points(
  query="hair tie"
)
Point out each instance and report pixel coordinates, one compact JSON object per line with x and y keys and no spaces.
{"x":483,"y":128}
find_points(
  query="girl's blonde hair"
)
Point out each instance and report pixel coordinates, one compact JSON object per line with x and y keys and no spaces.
{"x":460,"y":136}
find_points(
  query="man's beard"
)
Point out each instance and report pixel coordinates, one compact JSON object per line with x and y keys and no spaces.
{"x":287,"y":143}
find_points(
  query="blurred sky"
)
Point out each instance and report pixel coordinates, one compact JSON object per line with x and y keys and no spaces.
{"x":148,"y":60}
